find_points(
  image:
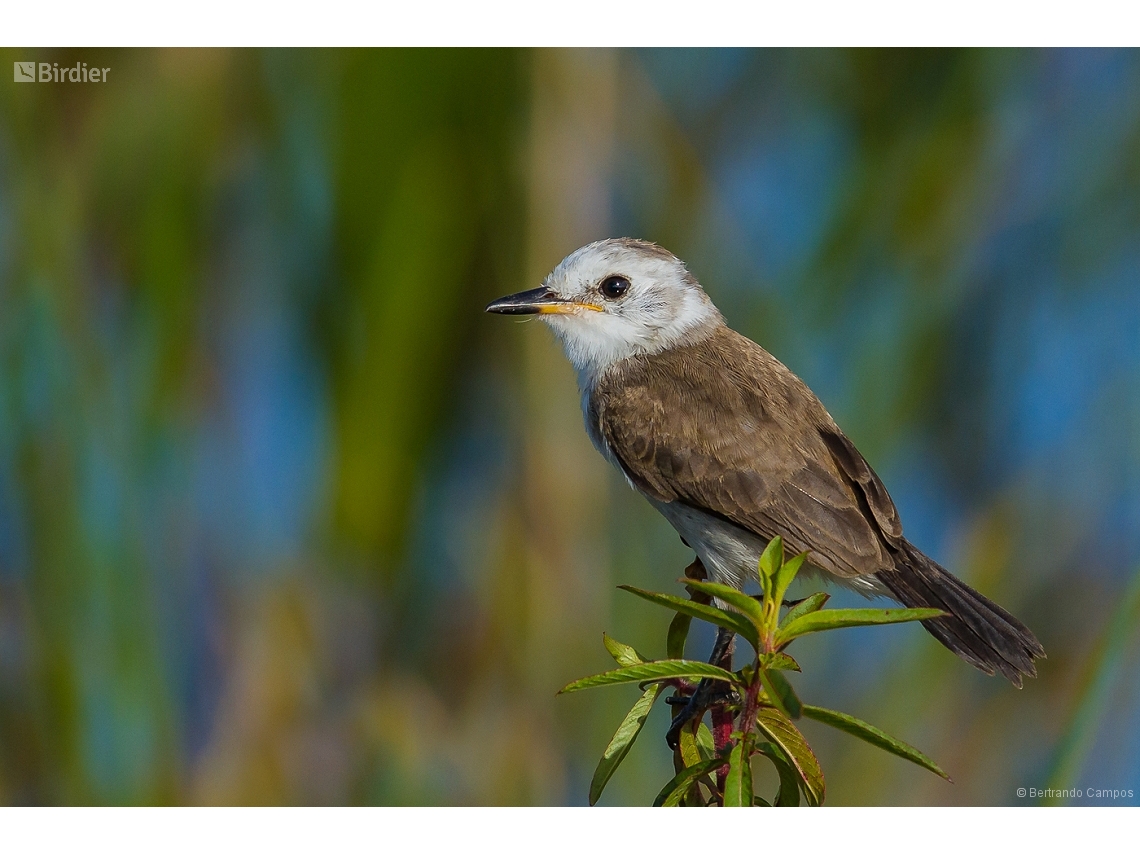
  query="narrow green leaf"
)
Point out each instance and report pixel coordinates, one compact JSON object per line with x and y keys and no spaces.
{"x":662,"y":669}
{"x":840,"y":618}
{"x":622,"y":741}
{"x":623,"y":654}
{"x":739,"y":600}
{"x":870,"y":733}
{"x":760,"y":801}
{"x":688,"y":746}
{"x":705,"y":742}
{"x":718,"y":617}
{"x":785,"y":574}
{"x":770,"y":561}
{"x":780,"y":730}
{"x":678,"y":635}
{"x":738,"y":784}
{"x":673,"y":792}
{"x":789,"y":793}
{"x":781,"y":693}
{"x":779,"y":662}
{"x":812,"y":604}
{"x":692,"y":797}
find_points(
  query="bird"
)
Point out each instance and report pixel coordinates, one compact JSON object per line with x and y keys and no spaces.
{"x":734,"y":449}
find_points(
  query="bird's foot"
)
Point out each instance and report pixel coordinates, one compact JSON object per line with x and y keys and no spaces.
{"x":709,"y":693}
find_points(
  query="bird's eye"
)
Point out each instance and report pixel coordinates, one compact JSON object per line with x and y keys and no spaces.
{"x":614,"y":287}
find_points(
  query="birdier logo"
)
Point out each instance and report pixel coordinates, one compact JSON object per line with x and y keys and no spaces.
{"x":50,"y":72}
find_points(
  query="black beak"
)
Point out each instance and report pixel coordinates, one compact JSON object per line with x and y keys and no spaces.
{"x":531,"y":302}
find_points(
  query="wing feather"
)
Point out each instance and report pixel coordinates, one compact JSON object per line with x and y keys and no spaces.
{"x":723,"y":426}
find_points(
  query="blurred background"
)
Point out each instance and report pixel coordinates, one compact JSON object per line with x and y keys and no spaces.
{"x":286,"y":519}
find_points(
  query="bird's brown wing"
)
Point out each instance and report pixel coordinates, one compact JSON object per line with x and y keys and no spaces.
{"x":723,"y":426}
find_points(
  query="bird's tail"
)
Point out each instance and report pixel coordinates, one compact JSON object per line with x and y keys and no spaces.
{"x":978,"y":630}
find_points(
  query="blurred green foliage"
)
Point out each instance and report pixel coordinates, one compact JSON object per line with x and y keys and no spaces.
{"x":284,"y":520}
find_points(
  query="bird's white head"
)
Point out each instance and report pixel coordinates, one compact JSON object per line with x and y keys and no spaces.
{"x":615,"y":299}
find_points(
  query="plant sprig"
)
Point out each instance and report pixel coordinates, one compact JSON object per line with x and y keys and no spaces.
{"x":757,"y":716}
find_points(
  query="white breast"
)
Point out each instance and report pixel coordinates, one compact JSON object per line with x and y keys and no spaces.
{"x":730,"y":553}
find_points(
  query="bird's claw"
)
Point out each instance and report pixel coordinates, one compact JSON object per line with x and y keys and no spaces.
{"x":673,"y":735}
{"x":709,"y":693}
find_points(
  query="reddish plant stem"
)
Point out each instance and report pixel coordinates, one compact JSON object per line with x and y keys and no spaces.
{"x":722,"y":734}
{"x":723,"y":723}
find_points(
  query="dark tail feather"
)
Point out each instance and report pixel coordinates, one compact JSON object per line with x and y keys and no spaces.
{"x":980,"y":631}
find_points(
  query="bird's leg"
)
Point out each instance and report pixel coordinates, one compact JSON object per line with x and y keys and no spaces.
{"x":722,"y":648}
{"x":709,"y":692}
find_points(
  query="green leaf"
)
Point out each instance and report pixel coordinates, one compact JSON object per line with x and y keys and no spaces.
{"x":718,"y":617}
{"x":870,"y":733}
{"x":622,"y":741}
{"x":780,"y":730}
{"x":760,"y":801}
{"x":738,"y":784}
{"x":781,"y":693}
{"x":789,"y":793}
{"x":785,"y":576}
{"x":779,"y":662}
{"x":739,"y":600}
{"x":678,"y":635}
{"x":705,"y":742}
{"x":770,"y":561}
{"x":623,"y":654}
{"x":839,"y":618}
{"x":688,"y":745}
{"x":662,"y":669}
{"x":693,"y":797}
{"x":673,"y":792}
{"x":812,"y":604}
